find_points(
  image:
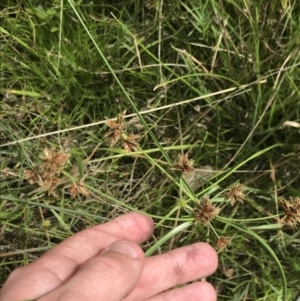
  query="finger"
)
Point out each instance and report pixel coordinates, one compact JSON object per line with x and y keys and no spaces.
{"x":179,"y":266}
{"x":132,"y":227}
{"x":196,"y":291}
{"x":110,"y":276}
{"x":57,"y":265}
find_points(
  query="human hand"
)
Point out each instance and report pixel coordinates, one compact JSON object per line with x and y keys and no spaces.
{"x":105,"y":263}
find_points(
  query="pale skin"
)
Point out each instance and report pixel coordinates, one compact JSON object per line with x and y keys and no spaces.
{"x":105,"y":262}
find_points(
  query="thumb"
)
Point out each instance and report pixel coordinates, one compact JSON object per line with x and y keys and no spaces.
{"x":110,"y":276}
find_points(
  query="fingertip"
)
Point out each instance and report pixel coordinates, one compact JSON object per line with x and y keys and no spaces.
{"x":211,"y":255}
{"x":138,"y":221}
{"x":206,"y":291}
{"x":140,"y":217}
{"x":202,"y":290}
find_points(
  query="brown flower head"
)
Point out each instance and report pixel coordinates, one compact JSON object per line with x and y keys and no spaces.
{"x":32,"y":176}
{"x":184,"y":164}
{"x":57,"y":158}
{"x":129,"y":142}
{"x":47,"y":172}
{"x":117,"y":128}
{"x":292,"y":211}
{"x":205,"y":211}
{"x":235,"y":193}
{"x":223,"y":242}
{"x":52,"y":163}
{"x":52,"y":182}
{"x":78,"y":188}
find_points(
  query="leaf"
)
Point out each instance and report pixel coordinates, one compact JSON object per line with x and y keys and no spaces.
{"x":168,"y":236}
{"x":25,"y":93}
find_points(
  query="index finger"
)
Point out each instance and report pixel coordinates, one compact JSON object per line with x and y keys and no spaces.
{"x":88,"y":243}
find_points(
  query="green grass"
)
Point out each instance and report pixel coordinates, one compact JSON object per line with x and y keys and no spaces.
{"x":216,"y":79}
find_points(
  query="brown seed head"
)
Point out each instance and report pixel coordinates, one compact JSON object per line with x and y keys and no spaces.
{"x":236,"y":193}
{"x":117,"y":128}
{"x":52,"y":182}
{"x":205,"y":211}
{"x":52,"y":163}
{"x":223,"y":242}
{"x":56,"y":158}
{"x":78,"y":188}
{"x":184,"y":164}
{"x":292,"y":211}
{"x":129,"y":142}
{"x":32,"y":176}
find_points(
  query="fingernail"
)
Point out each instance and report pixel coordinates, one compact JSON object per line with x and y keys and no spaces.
{"x":124,"y":247}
